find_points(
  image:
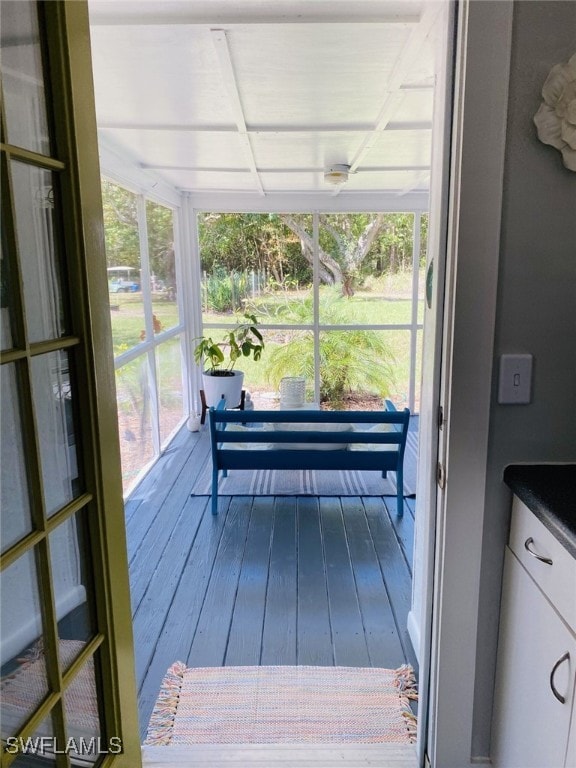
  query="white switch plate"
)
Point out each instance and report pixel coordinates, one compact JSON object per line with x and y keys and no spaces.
{"x":515,"y":382}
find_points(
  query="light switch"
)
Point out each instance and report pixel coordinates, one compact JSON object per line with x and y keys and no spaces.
{"x":515,"y":382}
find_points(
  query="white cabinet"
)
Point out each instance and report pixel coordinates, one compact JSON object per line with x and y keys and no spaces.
{"x":532,"y":726}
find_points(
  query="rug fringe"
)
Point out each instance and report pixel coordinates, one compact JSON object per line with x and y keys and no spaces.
{"x":28,"y":656}
{"x":162,"y":721}
{"x":23,"y":663}
{"x":411,"y":724}
{"x":406,"y":682}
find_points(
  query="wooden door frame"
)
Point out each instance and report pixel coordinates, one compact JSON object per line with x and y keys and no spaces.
{"x":476,"y":193}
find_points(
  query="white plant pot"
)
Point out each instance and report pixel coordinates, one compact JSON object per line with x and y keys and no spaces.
{"x":217,"y":387}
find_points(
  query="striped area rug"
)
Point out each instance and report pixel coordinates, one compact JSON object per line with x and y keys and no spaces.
{"x":284,"y":705}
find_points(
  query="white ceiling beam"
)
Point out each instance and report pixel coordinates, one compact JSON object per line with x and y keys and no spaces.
{"x":417,"y":87}
{"x":393,"y":101}
{"x":417,"y":125}
{"x":395,"y":94}
{"x":412,"y":187}
{"x":209,"y":19}
{"x":211,"y":12}
{"x":229,"y":78}
{"x":213,"y":169}
{"x":298,"y":201}
{"x":115,"y":166}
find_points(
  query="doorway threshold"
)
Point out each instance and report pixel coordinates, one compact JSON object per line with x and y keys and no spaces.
{"x":281,"y":755}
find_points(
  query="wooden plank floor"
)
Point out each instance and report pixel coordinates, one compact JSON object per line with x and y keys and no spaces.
{"x":269,"y":580}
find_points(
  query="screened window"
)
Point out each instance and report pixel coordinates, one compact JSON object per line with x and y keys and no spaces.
{"x":339,"y":296}
{"x":147,"y":328}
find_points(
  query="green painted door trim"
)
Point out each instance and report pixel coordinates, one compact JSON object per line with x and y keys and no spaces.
{"x":64,"y":30}
{"x":68,"y":32}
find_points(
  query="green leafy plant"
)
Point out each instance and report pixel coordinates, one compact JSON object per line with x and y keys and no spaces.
{"x":244,"y":340}
{"x":350,"y":361}
{"x":226,"y":290}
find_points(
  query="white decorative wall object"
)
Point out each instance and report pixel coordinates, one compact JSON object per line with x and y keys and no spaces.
{"x":556,"y":119}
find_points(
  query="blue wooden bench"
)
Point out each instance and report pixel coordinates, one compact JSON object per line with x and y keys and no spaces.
{"x":326,"y":447}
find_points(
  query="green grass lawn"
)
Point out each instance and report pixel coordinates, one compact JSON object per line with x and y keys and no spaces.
{"x":381,"y":301}
{"x":127,"y":315}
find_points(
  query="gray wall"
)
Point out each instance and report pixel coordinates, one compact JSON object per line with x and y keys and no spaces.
{"x":536,"y":310}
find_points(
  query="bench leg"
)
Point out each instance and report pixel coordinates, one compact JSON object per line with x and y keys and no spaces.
{"x":204,"y":406}
{"x":214,"y":491}
{"x":400,"y":492}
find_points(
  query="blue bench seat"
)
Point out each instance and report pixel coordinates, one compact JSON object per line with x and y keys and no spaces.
{"x":300,"y":439}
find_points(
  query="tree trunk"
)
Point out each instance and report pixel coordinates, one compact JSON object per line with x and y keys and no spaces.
{"x":348,"y":286}
{"x":330,"y":271}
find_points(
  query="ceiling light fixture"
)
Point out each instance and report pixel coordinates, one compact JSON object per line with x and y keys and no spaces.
{"x":337,"y":174}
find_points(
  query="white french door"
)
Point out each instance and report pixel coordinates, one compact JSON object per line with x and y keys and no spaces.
{"x":430,"y":480}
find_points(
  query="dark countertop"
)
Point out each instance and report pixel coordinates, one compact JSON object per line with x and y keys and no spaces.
{"x":549,"y":491}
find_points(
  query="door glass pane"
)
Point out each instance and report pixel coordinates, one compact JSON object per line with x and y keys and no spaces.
{"x":82,"y":717}
{"x":23,"y":682}
{"x":370,"y":257}
{"x":15,"y":516}
{"x":39,"y":257}
{"x":54,"y":409}
{"x":170,"y":390}
{"x":259,"y":262}
{"x":160,"y":226}
{"x":22,"y":77}
{"x":40,"y":747}
{"x":73,"y":594}
{"x":134,"y":418}
{"x":123,"y":261}
{"x":6,"y":340}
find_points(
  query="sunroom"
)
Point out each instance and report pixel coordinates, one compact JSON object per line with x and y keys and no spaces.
{"x":285,"y":160}
{"x":274,"y":160}
{"x":63,"y":516}
{"x":218,"y":133}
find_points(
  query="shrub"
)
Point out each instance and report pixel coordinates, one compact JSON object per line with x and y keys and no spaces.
{"x":350,"y":361}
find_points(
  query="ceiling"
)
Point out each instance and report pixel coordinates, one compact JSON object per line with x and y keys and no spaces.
{"x":260,"y":97}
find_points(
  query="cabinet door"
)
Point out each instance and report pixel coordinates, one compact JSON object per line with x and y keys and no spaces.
{"x":530,"y":727}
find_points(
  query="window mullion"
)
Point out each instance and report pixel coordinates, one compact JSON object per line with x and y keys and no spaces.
{"x":177,"y":224}
{"x":51,"y":640}
{"x":414,"y":318}
{"x":193,"y":297}
{"x":316,"y":294}
{"x":144,"y":265}
{"x":145,"y":284}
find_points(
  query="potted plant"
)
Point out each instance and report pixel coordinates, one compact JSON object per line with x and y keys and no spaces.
{"x":220,"y":379}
